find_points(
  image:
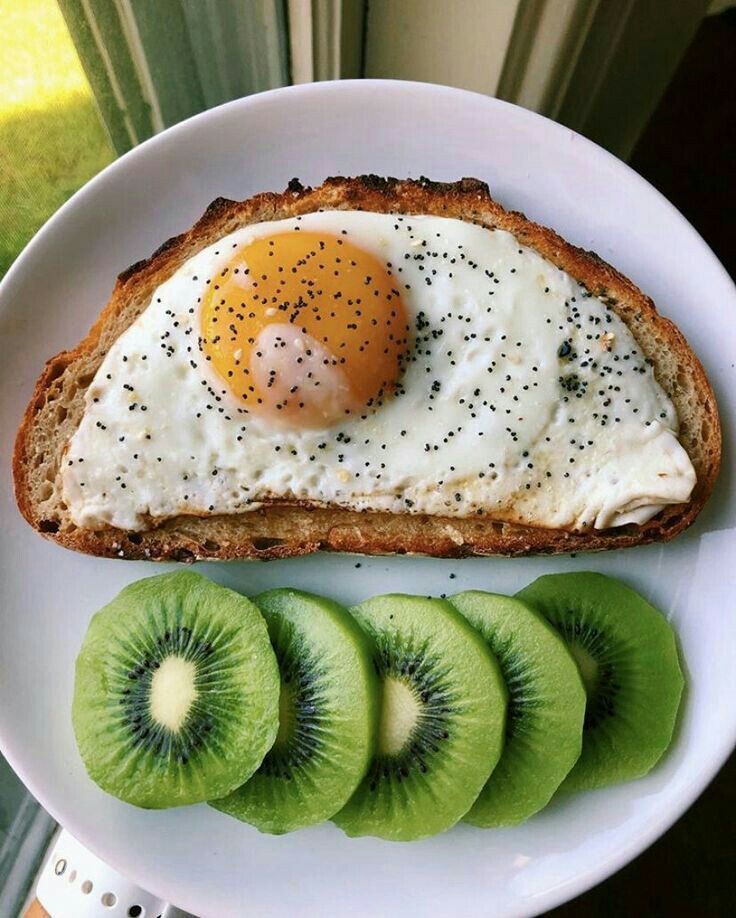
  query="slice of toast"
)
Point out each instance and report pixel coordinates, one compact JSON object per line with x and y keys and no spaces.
{"x":283,"y":529}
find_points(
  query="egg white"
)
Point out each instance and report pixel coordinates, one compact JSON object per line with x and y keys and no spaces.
{"x":526,"y":398}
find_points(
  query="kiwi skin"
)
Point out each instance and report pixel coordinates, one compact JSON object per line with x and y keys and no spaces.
{"x":634,"y":689}
{"x":232,"y":722}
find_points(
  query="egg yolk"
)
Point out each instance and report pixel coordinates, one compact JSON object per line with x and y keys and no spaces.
{"x":305,"y":328}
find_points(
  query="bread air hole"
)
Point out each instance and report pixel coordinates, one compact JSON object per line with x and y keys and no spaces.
{"x":55,"y":372}
{"x":264,"y":544}
{"x":182,"y":554}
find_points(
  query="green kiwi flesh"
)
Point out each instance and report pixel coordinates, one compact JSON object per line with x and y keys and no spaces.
{"x":176,"y":692}
{"x":328,"y":715}
{"x":441,"y":725}
{"x":627,"y":656}
{"x":544,"y":721}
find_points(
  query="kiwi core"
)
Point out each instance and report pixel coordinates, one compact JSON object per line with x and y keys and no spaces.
{"x":173,"y":691}
{"x":587,"y":665}
{"x":400,"y":712}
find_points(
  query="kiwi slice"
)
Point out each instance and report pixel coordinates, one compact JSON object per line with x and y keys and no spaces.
{"x":442,"y":719}
{"x":544,"y":722}
{"x":327,"y":720}
{"x":176,"y":692}
{"x":627,"y":657}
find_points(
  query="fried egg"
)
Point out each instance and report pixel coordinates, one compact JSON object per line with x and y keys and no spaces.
{"x":410,"y":364}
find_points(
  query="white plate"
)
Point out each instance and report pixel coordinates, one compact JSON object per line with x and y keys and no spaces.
{"x":196,"y":857}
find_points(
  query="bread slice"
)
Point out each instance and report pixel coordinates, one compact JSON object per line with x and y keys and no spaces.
{"x":284,"y":529}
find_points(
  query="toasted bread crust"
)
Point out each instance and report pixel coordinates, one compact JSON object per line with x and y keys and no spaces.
{"x":283,"y":529}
